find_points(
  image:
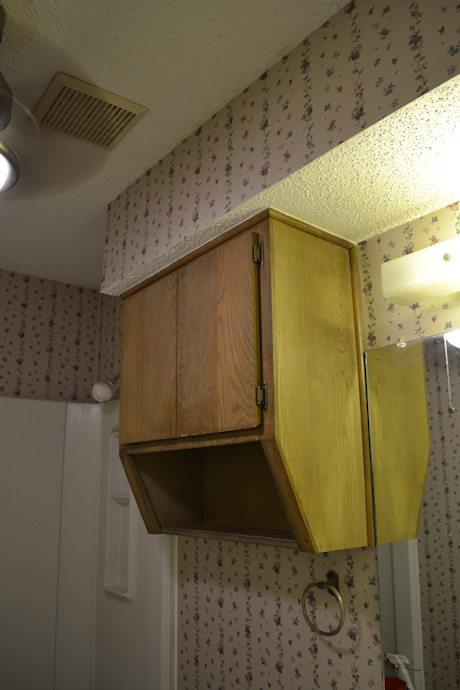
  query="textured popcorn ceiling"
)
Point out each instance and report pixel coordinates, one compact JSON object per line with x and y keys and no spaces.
{"x":403,"y":167}
{"x":182,"y":59}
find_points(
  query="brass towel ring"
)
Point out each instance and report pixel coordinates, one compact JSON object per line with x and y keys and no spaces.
{"x":332,"y":584}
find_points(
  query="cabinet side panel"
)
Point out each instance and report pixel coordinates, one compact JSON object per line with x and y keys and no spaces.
{"x":317,"y":398}
{"x":400,"y":438}
{"x":140,"y":494}
{"x":148,"y":366}
{"x":173,"y":483}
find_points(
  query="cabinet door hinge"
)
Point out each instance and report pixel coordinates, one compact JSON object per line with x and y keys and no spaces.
{"x":258,"y":254}
{"x":262,"y":395}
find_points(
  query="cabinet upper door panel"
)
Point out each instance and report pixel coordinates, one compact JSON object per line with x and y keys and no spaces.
{"x":218,"y":354}
{"x":148,"y":366}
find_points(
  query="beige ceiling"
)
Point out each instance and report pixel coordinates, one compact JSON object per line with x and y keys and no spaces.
{"x":184,"y":60}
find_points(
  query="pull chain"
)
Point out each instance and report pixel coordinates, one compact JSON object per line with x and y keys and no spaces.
{"x":450,"y":408}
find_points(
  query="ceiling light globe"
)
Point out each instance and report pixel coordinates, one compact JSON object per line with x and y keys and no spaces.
{"x":453,"y":338}
{"x":102,"y":391}
{"x":10,"y":168}
{"x":4,"y":171}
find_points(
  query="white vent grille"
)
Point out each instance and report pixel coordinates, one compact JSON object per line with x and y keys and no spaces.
{"x":74,"y":107}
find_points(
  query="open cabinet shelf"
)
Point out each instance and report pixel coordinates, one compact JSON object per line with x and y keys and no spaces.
{"x":224,"y":491}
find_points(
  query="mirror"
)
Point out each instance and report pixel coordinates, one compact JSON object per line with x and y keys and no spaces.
{"x":419,"y":579}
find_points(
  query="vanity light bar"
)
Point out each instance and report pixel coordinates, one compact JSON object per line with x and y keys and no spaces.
{"x":423,"y":275}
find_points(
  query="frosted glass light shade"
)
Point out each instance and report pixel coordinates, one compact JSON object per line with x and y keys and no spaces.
{"x":4,"y":170}
{"x":423,"y":275}
{"x":10,"y":168}
{"x":102,"y":391}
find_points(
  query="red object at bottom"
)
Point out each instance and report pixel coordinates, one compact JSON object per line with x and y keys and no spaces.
{"x":394,"y":683}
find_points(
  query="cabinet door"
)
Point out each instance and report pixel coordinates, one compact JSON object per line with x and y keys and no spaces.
{"x":396,"y":379}
{"x":218,"y":354}
{"x":148,"y":366}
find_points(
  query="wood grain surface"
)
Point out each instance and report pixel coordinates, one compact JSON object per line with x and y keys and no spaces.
{"x":239,"y":489}
{"x":274,"y":538}
{"x":222,"y":488}
{"x":140,"y":494}
{"x":292,"y":507}
{"x":218,"y":353}
{"x":148,"y":363}
{"x":367,"y":468}
{"x":400,"y":438}
{"x":286,"y":219}
{"x":173,"y":482}
{"x":317,"y":396}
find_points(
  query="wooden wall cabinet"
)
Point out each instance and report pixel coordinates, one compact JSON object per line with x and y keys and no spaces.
{"x":242,"y":392}
{"x":191,"y":348}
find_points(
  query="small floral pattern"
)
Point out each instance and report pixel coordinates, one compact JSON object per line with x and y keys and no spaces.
{"x":439,"y":533}
{"x":371,"y":58}
{"x":240,"y":621}
{"x":110,"y":322}
{"x":386,"y":322}
{"x":56,"y":340}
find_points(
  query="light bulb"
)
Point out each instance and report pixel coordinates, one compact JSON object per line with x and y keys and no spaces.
{"x":453,"y":338}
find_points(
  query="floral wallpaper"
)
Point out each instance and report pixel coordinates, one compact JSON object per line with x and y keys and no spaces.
{"x":240,"y":622}
{"x":386,"y":322}
{"x":371,"y":58}
{"x":110,"y":318}
{"x":439,"y":532}
{"x":55,"y":339}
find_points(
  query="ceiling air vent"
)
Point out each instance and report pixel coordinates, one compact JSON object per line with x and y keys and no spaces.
{"x":84,"y":111}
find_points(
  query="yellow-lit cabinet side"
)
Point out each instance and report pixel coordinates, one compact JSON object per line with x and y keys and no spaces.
{"x":316,"y":386}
